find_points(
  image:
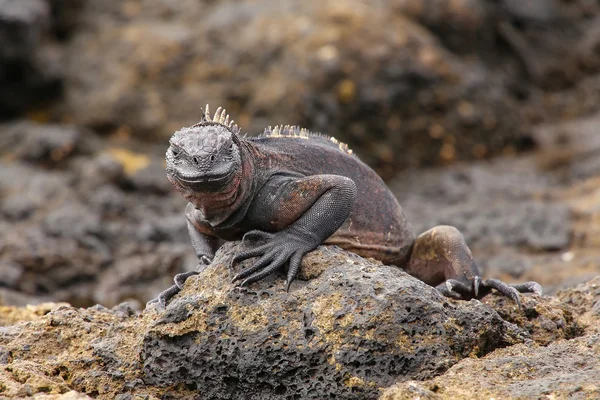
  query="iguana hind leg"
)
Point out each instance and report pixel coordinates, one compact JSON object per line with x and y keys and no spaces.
{"x":441,"y":258}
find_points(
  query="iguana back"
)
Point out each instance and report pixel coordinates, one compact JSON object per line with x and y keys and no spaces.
{"x":377,"y":226}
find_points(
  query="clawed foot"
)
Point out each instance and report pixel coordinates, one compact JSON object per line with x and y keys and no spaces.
{"x":278,"y":249}
{"x":179,"y":279}
{"x":479,"y":288}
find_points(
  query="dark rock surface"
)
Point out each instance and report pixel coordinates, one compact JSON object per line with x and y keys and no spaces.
{"x":344,"y":334}
{"x":47,"y":144}
{"x":84,"y":224}
{"x":352,"y":330}
{"x":560,"y":369}
{"x":30,"y":68}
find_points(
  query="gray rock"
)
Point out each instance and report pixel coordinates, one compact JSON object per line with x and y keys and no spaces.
{"x":10,"y":273}
{"x":140,"y":275}
{"x":559,"y":368}
{"x":21,"y":26}
{"x":493,"y":204}
{"x":350,"y":332}
{"x":565,"y":369}
{"x":30,"y":69}
{"x":151,"y":179}
{"x":356,"y":327}
{"x":507,"y":262}
{"x":50,"y":144}
{"x":534,"y":10}
{"x":313,"y":72}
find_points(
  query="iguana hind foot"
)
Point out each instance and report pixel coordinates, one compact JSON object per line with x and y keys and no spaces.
{"x":441,"y":257}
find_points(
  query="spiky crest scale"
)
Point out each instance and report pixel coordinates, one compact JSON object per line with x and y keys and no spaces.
{"x":294,"y":131}
{"x":286,"y":131}
{"x":220,"y":117}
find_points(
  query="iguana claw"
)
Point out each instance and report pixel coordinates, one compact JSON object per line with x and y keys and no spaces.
{"x":476,"y":285}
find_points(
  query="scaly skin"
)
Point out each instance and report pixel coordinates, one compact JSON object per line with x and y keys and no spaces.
{"x":288,"y":191}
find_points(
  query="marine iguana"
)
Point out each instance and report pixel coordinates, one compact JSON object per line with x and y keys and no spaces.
{"x":287,"y":191}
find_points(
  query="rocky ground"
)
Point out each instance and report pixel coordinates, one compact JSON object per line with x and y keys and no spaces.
{"x":350,"y":331}
{"x":91,"y":90}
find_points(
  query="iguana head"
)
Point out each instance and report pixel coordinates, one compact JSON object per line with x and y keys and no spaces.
{"x":204,"y":163}
{"x":205,"y":156}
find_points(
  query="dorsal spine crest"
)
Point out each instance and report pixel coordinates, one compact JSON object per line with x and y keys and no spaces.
{"x":279,"y":131}
{"x":286,"y":131}
{"x":294,"y":131}
{"x":220,"y":117}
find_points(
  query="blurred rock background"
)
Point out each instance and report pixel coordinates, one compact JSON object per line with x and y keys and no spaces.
{"x":482,"y":114}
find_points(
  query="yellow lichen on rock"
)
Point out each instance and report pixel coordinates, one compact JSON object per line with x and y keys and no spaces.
{"x":248,"y":318}
{"x":10,"y":315}
{"x":131,"y":162}
{"x":354,"y":381}
{"x":325,"y":309}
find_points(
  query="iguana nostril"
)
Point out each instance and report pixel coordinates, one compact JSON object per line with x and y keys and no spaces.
{"x":195,"y":160}
{"x":212,"y":158}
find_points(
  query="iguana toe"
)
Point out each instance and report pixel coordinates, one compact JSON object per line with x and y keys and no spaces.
{"x":503,"y":288}
{"x":262,"y":263}
{"x":246,"y":254}
{"x":166,"y":295}
{"x":181,"y":278}
{"x":295,"y":263}
{"x":476,"y":285}
{"x":272,"y":267}
{"x":447,"y":289}
{"x":255,"y":236}
{"x":529,"y":287}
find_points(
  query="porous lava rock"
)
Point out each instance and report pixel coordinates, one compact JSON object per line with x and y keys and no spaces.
{"x":560,"y":369}
{"x":355,"y":327}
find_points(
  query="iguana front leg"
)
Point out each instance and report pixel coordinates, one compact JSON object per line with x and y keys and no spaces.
{"x":441,"y":258}
{"x":295,"y":216}
{"x":204,"y":246}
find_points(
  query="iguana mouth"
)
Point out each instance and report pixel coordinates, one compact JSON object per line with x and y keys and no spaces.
{"x":204,"y":178}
